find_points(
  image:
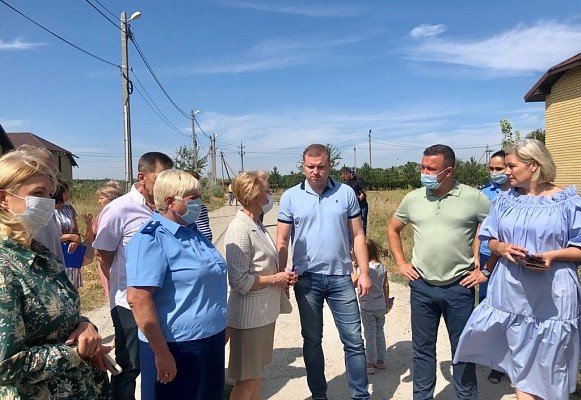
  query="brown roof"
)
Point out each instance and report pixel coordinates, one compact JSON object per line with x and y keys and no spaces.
{"x":544,"y":85}
{"x":5,"y":142}
{"x":20,"y":138}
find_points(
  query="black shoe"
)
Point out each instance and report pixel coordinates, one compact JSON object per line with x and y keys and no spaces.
{"x":495,"y":376}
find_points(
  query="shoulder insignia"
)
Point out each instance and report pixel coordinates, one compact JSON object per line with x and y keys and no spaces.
{"x":150,"y":227}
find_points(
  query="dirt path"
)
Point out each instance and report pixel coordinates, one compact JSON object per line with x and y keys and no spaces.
{"x":285,"y":378}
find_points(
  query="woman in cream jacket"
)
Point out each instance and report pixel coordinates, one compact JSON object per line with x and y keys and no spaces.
{"x":257,"y":288}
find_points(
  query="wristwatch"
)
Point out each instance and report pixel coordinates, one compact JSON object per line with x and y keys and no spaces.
{"x":485,"y":272}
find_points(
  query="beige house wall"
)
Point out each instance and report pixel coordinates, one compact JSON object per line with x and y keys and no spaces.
{"x":63,"y":165}
{"x":563,"y":127}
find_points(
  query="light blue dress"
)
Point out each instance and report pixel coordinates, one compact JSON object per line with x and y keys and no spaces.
{"x":528,"y":325}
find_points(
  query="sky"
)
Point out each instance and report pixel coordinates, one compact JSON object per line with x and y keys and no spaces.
{"x":280,"y":75}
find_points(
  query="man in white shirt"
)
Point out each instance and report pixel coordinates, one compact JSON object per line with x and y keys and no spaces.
{"x":118,"y":221}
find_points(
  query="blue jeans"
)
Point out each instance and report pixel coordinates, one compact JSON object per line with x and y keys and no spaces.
{"x":200,"y":366}
{"x":375,"y":347}
{"x":428,"y":304}
{"x":126,"y":354}
{"x":310,"y":291}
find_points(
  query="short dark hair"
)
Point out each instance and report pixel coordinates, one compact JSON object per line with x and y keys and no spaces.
{"x":317,"y":150}
{"x":344,"y":170}
{"x":444,"y":151}
{"x":499,"y":153}
{"x":61,"y":188}
{"x":153,"y":161}
{"x":372,"y":249}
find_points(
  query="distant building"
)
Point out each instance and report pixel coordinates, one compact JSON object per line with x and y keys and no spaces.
{"x":64,"y":159}
{"x":560,"y":89}
{"x":5,"y":143}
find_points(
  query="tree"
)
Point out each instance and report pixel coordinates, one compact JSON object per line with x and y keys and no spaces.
{"x":538,"y":134}
{"x":274,"y":179}
{"x":184,"y":159}
{"x":471,"y":172}
{"x":509,"y":138}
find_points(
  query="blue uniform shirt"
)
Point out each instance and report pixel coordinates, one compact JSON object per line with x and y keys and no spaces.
{"x":320,"y":232}
{"x":189,"y":276}
{"x":490,"y":190}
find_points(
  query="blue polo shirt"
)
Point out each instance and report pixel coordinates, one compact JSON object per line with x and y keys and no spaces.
{"x":491,"y":190}
{"x":320,"y":227}
{"x":189,"y":276}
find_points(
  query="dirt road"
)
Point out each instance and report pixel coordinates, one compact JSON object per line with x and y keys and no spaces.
{"x":285,"y":378}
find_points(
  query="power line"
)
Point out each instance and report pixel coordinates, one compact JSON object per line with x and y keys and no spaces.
{"x":101,"y":12}
{"x":106,"y":9}
{"x":58,"y":36}
{"x":144,"y":59}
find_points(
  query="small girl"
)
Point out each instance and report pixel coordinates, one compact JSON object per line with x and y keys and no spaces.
{"x":374,"y":306}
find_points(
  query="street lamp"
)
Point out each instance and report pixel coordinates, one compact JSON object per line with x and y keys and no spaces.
{"x":126,"y":90}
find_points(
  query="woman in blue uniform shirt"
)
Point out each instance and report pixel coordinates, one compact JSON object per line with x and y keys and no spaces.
{"x":177,"y":290}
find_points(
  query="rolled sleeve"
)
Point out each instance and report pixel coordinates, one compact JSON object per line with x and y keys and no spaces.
{"x":146,"y":262}
{"x":238,"y":258}
{"x":402,"y":212}
{"x":110,"y":230}
{"x":285,"y":214}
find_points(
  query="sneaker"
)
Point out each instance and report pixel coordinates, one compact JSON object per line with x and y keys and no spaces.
{"x":370,"y":369}
{"x":380,"y":364}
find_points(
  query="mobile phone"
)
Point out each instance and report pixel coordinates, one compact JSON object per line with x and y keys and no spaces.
{"x":111,"y":364}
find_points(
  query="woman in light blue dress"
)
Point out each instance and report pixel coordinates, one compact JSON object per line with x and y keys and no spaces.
{"x":528,"y":325}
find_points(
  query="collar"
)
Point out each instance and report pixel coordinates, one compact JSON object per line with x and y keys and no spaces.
{"x":455,"y":191}
{"x":246,"y":219}
{"x":136,"y":194}
{"x":305,"y":186}
{"x":171,"y":226}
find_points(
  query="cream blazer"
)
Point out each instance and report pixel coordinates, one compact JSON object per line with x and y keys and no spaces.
{"x":248,"y":254}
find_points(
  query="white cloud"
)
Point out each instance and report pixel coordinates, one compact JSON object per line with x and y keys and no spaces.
{"x":522,"y":50}
{"x":271,"y":54}
{"x":308,"y":11}
{"x":13,"y":124}
{"x":18,"y":44}
{"x":427,"y":30}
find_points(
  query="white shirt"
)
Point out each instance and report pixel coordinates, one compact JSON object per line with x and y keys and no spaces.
{"x":118,"y":221}
{"x":50,"y":236}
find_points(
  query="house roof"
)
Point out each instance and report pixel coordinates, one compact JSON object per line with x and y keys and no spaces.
{"x":544,"y":85}
{"x":5,"y":142}
{"x":20,"y":138}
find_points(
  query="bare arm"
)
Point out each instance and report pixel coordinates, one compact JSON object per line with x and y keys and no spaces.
{"x":386,"y":289}
{"x":141,"y":302}
{"x":394,"y":228}
{"x":361,"y":255}
{"x":570,"y":253}
{"x":105,"y":259}
{"x":283,"y":234}
{"x":476,"y":248}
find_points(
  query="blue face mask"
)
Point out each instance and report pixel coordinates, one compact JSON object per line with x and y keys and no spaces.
{"x":193,"y":212}
{"x":499,"y":179}
{"x":431,"y":181}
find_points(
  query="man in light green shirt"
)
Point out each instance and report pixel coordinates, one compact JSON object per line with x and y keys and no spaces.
{"x":445,"y":216}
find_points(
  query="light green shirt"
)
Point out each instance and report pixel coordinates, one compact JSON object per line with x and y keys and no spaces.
{"x":444,"y":230}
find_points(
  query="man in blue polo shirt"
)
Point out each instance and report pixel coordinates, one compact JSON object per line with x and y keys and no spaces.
{"x":320,"y":214}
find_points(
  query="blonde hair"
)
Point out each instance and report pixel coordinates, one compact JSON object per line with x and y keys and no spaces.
{"x":248,"y":186}
{"x":531,"y":150}
{"x":173,"y":182}
{"x":15,"y":168}
{"x":111,"y":190}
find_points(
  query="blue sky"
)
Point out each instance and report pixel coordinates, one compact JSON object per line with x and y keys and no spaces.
{"x":279,"y":75}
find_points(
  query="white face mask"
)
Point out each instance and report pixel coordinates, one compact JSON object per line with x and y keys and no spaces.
{"x":38,"y":211}
{"x":268,"y":206}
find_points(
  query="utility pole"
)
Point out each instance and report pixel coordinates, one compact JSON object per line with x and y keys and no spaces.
{"x":195,"y":142}
{"x":241,"y":152}
{"x":126,"y":91}
{"x":370,"y":148}
{"x":487,"y":152}
{"x":222,"y":164}
{"x":213,"y":154}
{"x":355,"y":158}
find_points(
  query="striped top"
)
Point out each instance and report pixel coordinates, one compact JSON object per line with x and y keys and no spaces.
{"x":203,"y":223}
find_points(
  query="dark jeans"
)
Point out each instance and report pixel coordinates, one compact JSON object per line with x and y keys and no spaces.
{"x":311,"y":291}
{"x":428,"y":304}
{"x":126,"y":354}
{"x":364,"y":211}
{"x":200,"y":366}
{"x":483,"y":286}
